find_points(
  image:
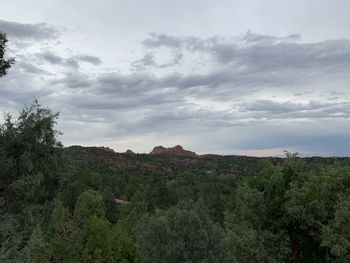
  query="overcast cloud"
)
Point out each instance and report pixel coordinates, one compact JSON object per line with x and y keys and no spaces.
{"x":227,"y":88}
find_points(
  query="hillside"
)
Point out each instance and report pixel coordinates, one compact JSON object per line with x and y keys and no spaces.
{"x":169,"y":161}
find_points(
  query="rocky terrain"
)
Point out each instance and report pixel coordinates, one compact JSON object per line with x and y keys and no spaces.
{"x":177,"y":160}
{"x":174,"y":151}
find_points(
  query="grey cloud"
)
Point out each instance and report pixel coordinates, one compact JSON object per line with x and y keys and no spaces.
{"x":268,"y":109}
{"x":71,"y":62}
{"x":255,"y":67}
{"x":54,"y":59}
{"x":225,"y":82}
{"x":31,"y":68}
{"x":251,"y":37}
{"x":244,"y":64}
{"x":270,"y":106}
{"x":175,"y":60}
{"x":89,"y":59}
{"x":146,"y":61}
{"x":290,"y":56}
{"x":73,"y":80}
{"x":217,"y":83}
{"x":117,"y":83}
{"x":21,"y":86}
{"x":50,"y":57}
{"x":158,"y":40}
{"x":40,"y":31}
{"x":255,"y":52}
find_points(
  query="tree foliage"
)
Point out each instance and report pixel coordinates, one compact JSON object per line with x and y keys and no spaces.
{"x":5,"y":64}
{"x":184,"y":234}
{"x":303,"y":213}
{"x":31,"y":164}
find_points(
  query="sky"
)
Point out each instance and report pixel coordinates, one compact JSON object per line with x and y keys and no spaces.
{"x":241,"y":77}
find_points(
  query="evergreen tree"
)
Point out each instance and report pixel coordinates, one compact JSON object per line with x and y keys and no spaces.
{"x":184,"y":234}
{"x":4,"y":64}
{"x":31,"y":163}
{"x":111,"y":205}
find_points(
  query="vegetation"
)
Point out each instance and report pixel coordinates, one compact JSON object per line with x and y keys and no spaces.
{"x":55,"y":209}
{"x":5,"y":64}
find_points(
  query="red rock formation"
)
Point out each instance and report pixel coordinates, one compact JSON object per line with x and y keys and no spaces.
{"x":177,"y":151}
{"x":107,"y":149}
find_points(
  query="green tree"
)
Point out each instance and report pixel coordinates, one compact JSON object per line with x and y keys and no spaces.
{"x":111,"y":205}
{"x":98,"y":242}
{"x":124,"y":249}
{"x":89,"y":204}
{"x":83,"y":236}
{"x":336,"y":235}
{"x":4,"y":64}
{"x":31,"y":163}
{"x":184,"y":234}
{"x":147,"y":199}
{"x":247,"y":229}
{"x":65,"y":236}
{"x":294,"y":209}
{"x":31,"y":157}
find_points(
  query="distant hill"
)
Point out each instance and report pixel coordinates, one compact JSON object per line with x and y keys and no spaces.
{"x":177,"y":160}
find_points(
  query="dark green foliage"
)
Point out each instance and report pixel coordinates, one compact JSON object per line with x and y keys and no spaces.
{"x":31,"y":164}
{"x":97,"y":242}
{"x":124,"y":249}
{"x":31,"y":157}
{"x":184,"y":234}
{"x":89,"y":204}
{"x":294,"y":209}
{"x":87,"y":236}
{"x":336,"y":235}
{"x":5,"y":64}
{"x":71,"y":192}
{"x":111,"y":206}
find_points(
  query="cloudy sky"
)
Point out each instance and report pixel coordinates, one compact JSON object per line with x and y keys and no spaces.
{"x":245,"y":77}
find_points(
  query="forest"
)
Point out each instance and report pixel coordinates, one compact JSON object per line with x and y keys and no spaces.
{"x":80,"y":204}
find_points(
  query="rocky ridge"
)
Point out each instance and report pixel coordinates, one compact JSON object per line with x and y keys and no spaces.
{"x":177,"y":150}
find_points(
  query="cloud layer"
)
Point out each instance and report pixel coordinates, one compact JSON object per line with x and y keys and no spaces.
{"x":247,"y":94}
{"x":41,"y":31}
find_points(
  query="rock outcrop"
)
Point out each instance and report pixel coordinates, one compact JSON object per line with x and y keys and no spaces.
{"x":176,"y":150}
{"x":107,"y":149}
